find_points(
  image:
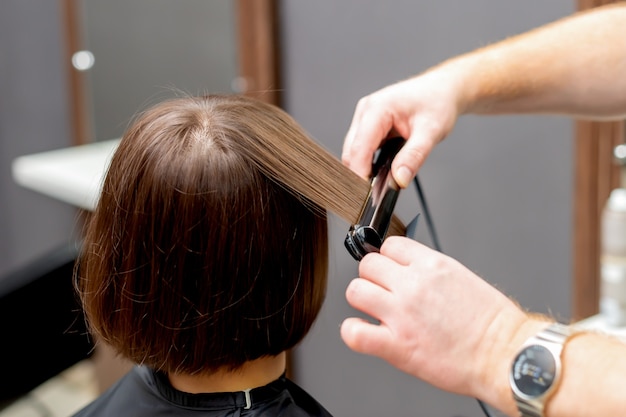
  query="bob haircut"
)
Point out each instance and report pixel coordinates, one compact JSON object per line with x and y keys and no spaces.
{"x":208,"y":247}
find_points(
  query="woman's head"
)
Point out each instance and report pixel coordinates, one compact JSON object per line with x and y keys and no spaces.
{"x":208,"y":247}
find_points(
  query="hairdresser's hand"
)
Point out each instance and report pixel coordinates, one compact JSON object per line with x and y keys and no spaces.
{"x":438,"y":321}
{"x":422,"y":109}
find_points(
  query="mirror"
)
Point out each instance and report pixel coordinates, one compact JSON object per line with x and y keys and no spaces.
{"x":147,"y":50}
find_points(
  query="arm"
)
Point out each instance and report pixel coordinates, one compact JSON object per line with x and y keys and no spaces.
{"x":594,"y":378}
{"x":574,"y":66}
{"x":441,"y":323}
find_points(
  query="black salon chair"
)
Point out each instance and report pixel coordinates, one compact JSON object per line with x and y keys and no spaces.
{"x":42,"y":329}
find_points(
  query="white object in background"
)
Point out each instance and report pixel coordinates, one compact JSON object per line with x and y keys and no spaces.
{"x":598,"y":324}
{"x":83,"y":60}
{"x":73,"y":175}
{"x":613,"y":260}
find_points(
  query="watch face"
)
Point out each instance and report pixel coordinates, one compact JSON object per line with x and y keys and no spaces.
{"x":534,"y":370}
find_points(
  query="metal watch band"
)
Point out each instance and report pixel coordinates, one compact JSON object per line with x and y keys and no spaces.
{"x":555,"y":334}
{"x":528,"y":410}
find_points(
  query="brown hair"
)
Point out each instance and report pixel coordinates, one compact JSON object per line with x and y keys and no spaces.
{"x":208,"y":246}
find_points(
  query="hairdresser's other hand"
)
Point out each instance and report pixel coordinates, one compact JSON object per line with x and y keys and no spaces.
{"x":438,"y":321}
{"x":422,"y":109}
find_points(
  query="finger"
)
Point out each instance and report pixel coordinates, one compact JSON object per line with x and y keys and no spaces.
{"x":364,"y":337}
{"x":347,"y":155}
{"x":369,"y":134}
{"x":379,"y":269}
{"x":402,"y":251}
{"x":425,"y":133}
{"x":366,"y":136}
{"x":369,"y":298}
{"x":411,"y":158}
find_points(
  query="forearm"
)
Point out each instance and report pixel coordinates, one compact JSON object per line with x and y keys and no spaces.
{"x":575,"y":66}
{"x":594,"y":378}
{"x":593,"y":374}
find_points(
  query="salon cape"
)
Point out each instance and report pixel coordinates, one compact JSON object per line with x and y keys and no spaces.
{"x":144,"y":392}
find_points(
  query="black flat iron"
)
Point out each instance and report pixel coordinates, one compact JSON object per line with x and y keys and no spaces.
{"x":368,"y":233}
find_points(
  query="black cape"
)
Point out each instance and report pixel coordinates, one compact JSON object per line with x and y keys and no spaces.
{"x":146,"y":393}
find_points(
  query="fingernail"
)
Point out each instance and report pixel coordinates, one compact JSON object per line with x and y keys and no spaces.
{"x":403,"y":176}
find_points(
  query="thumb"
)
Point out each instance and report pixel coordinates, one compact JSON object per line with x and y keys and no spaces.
{"x":411,"y":158}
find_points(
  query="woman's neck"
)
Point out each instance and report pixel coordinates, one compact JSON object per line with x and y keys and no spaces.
{"x":253,"y":374}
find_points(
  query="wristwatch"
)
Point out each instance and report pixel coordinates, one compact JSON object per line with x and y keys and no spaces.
{"x":536,"y":370}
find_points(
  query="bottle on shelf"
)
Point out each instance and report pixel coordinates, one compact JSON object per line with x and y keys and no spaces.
{"x":613,"y":251}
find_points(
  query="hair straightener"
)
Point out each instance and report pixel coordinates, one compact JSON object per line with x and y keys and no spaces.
{"x":369,"y":232}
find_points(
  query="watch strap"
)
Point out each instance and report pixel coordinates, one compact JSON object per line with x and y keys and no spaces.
{"x":555,"y":334}
{"x":528,"y":410}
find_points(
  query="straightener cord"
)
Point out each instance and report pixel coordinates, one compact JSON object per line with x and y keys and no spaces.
{"x":435,"y":240}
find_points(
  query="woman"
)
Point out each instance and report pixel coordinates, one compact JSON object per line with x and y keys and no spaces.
{"x":206,"y":257}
